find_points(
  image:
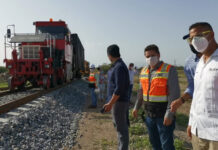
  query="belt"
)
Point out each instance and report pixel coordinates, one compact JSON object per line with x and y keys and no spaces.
{"x":155,"y":111}
{"x":155,"y":115}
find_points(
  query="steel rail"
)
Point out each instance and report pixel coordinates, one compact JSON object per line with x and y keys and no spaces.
{"x":16,"y":103}
{"x":8,"y":92}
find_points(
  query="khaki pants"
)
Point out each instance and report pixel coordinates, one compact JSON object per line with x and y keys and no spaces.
{"x":202,"y":144}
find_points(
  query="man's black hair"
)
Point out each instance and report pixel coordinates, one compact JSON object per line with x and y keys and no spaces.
{"x":131,"y":64}
{"x":152,"y":47}
{"x":113,"y":50}
{"x":201,"y":24}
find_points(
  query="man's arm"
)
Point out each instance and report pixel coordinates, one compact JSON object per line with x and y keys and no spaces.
{"x":120,"y":87}
{"x":174,"y":92}
{"x":189,"y":126}
{"x":189,"y":75}
{"x":139,"y":102}
{"x":108,"y":106}
{"x":188,"y":92}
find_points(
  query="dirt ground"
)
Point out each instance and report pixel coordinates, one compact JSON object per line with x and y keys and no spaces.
{"x":96,"y":130}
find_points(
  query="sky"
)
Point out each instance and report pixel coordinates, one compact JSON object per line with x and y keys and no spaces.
{"x":131,"y":24}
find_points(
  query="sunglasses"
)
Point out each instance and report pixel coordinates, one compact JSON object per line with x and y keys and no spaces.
{"x":202,"y":34}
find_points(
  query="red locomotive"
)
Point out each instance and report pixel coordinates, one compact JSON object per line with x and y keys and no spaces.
{"x":50,"y":56}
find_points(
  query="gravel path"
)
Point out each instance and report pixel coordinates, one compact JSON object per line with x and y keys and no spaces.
{"x":51,"y":125}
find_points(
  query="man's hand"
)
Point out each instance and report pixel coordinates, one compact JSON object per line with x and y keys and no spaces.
{"x":167,"y":121}
{"x":135,"y":113}
{"x":176,"y":104}
{"x":189,"y":132}
{"x":107,"y":107}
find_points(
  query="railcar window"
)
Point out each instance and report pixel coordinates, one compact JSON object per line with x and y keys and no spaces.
{"x":57,"y":32}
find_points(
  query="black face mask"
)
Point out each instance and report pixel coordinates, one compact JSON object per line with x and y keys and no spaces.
{"x":193,"y":50}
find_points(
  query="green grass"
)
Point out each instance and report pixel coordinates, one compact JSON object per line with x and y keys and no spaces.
{"x":182,"y":119}
{"x":140,"y":143}
{"x":137,"y":129}
{"x":105,"y":144}
{"x":3,"y":84}
{"x":136,"y":85}
{"x":179,"y":145}
{"x":135,"y":120}
{"x":138,"y":133}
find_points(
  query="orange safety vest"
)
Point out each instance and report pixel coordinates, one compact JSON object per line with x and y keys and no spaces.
{"x":92,"y":79}
{"x":156,"y":90}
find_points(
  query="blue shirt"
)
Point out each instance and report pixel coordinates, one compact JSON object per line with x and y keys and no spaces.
{"x":189,"y":69}
{"x":118,"y":81}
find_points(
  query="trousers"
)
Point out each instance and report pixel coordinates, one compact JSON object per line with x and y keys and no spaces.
{"x":160,"y":136}
{"x":119,"y":117}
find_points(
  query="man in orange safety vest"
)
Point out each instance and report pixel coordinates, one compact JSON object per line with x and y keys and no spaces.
{"x":158,"y":88}
{"x":93,"y":86}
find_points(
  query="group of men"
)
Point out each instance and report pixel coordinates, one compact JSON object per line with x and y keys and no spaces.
{"x":159,"y":93}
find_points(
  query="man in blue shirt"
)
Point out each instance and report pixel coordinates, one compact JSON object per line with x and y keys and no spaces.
{"x":189,"y":69}
{"x":117,"y":95}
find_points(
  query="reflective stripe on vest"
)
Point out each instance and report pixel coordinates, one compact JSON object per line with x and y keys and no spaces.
{"x":158,"y":91}
{"x":92,"y":78}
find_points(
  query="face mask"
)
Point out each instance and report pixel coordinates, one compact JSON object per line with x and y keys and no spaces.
{"x":152,"y":61}
{"x":193,"y":50}
{"x":200,"y":44}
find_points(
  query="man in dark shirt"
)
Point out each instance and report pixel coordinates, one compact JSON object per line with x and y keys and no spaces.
{"x":117,"y":95}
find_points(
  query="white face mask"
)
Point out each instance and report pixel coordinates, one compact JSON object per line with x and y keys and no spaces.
{"x":200,"y":44}
{"x":152,"y":61}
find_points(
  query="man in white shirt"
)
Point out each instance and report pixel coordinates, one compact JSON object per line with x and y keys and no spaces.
{"x":203,"y":120}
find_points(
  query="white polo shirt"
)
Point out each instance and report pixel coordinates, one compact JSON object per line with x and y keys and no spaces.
{"x":204,"y":109}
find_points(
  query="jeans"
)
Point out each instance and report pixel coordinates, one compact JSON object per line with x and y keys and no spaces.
{"x":120,"y":122}
{"x":94,"y":97}
{"x":160,"y":136}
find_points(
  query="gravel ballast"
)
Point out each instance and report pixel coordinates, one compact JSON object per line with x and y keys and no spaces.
{"x":53,"y":124}
{"x":17,"y":95}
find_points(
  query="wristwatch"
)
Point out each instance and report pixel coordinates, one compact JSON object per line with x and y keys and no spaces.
{"x":183,"y":100}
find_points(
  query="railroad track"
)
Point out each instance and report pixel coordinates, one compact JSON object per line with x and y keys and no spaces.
{"x":4,"y":89}
{"x":7,"y":91}
{"x":18,"y":102}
